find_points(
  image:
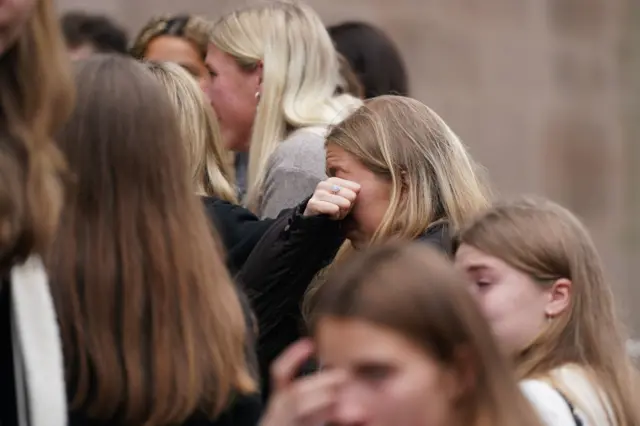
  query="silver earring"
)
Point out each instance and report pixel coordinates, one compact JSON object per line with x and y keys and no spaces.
{"x":258,"y":96}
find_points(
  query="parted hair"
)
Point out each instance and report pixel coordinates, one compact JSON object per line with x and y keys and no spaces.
{"x":152,"y":326}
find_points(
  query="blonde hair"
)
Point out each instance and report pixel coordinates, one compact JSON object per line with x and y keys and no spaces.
{"x":209,"y":164}
{"x":300,"y":75}
{"x":547,"y":242}
{"x":433,"y":178}
{"x":432,"y":175}
{"x":36,"y":97}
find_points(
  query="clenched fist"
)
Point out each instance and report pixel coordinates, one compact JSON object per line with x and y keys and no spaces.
{"x":333,"y":197}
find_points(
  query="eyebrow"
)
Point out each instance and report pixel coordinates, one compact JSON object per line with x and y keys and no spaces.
{"x":476,"y":268}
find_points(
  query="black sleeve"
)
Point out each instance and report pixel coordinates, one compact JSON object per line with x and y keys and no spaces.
{"x":281,"y":266}
{"x":277,"y":273}
{"x":239,"y":229}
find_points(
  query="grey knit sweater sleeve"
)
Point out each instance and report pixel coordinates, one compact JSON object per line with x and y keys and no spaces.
{"x":293,"y":171}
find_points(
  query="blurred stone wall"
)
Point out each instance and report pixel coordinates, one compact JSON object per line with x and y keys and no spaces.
{"x":544,"y":92}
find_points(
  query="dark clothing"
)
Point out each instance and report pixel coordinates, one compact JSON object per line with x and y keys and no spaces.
{"x":244,"y":411}
{"x":8,"y":414}
{"x":282,"y":265}
{"x":239,"y":229}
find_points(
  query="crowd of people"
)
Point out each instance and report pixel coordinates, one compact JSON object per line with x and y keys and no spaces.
{"x":249,"y":221}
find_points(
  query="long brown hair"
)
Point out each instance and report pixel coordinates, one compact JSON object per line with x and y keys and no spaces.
{"x":152,"y":327}
{"x":36,"y":96}
{"x":416,"y":292}
{"x":547,"y":242}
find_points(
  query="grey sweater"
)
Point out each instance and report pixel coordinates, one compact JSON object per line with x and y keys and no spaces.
{"x":293,"y":171}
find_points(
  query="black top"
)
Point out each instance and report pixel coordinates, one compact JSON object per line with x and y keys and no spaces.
{"x":282,"y":265}
{"x":239,"y":229}
{"x":8,"y":414}
{"x":244,"y":411}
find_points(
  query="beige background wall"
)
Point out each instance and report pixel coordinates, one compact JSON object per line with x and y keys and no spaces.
{"x":544,"y":92}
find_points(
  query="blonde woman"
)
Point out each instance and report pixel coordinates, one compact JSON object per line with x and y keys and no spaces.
{"x":540,"y":282}
{"x":275,"y":84}
{"x":210,"y":169}
{"x":397,"y":171}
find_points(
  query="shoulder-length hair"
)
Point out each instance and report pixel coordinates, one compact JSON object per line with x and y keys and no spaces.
{"x":416,"y":292}
{"x":432,"y":174}
{"x":301,"y":75}
{"x":36,"y":96}
{"x":209,"y":163}
{"x":433,"y":177}
{"x":547,"y":242}
{"x":152,"y":326}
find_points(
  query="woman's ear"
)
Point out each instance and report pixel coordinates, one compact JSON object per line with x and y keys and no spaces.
{"x":559,"y":298}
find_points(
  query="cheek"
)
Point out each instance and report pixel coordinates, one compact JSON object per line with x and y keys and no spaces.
{"x":232,"y":103}
{"x":371,"y":205}
{"x":516,"y":317}
{"x":416,"y":399}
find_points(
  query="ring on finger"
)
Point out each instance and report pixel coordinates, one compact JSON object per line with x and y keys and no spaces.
{"x":335,"y":189}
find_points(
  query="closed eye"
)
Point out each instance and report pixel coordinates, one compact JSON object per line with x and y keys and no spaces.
{"x":373,"y":372}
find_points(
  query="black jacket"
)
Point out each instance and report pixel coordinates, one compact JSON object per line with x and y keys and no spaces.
{"x":239,"y":229}
{"x":282,"y":265}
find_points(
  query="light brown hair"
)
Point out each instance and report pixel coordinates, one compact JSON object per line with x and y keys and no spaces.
{"x":152,"y":326}
{"x":547,"y":242}
{"x":433,"y":175}
{"x":417,"y":292}
{"x":36,"y":96}
{"x":209,"y":163}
